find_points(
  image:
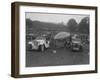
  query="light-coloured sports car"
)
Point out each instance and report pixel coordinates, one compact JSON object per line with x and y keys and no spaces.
{"x":40,"y":43}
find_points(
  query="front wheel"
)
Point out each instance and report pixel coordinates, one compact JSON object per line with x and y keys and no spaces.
{"x":42,"y":48}
{"x":29,"y":47}
{"x":81,"y":49}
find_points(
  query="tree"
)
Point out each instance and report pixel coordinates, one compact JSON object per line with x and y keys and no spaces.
{"x":84,"y":25}
{"x":72,"y":25}
{"x":28,"y":22}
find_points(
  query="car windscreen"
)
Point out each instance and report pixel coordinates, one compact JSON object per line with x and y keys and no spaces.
{"x":40,"y":38}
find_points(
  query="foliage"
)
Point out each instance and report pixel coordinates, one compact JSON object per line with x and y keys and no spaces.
{"x":84,"y":25}
{"x":72,"y":25}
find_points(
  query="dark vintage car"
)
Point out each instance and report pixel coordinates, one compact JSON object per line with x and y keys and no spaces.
{"x":74,"y":43}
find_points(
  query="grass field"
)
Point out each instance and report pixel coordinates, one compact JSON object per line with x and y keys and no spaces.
{"x":56,"y":56}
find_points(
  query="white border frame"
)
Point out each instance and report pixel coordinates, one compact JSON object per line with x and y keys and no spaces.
{"x":53,"y":69}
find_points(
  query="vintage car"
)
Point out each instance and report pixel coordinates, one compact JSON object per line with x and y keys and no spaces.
{"x":40,"y":43}
{"x":76,"y":45}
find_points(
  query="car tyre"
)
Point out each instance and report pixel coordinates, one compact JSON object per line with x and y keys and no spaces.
{"x":81,"y":49}
{"x":29,"y":47}
{"x":42,"y":48}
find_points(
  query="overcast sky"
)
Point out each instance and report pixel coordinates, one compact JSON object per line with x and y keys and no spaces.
{"x":54,"y":18}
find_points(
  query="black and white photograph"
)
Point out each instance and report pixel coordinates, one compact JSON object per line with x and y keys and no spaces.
{"x":57,"y":39}
{"x":52,"y":39}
